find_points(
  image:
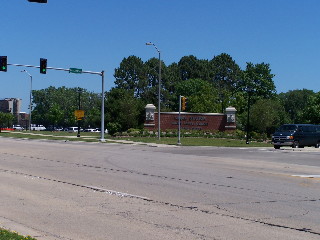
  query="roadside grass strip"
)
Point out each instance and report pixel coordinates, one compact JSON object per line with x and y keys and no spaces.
{"x":150,"y":141}
{"x":12,"y":235}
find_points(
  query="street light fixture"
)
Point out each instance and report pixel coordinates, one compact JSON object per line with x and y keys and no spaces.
{"x":30,"y":110}
{"x":159,"y":87}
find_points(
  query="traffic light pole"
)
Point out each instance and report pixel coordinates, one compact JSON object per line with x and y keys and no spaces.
{"x":88,"y":72}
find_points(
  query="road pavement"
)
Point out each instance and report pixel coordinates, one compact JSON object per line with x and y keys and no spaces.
{"x":75,"y":190}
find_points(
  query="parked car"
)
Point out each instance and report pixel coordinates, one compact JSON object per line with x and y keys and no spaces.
{"x":37,"y":127}
{"x":18,"y":127}
{"x":99,"y":130}
{"x":52,"y":128}
{"x":89,"y":130}
{"x":72,"y":129}
{"x":297,"y":136}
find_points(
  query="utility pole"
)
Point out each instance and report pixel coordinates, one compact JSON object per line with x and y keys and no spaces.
{"x":179,"y":120}
{"x":159,"y":86}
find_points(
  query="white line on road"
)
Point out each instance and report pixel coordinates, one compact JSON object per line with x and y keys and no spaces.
{"x":307,"y":176}
{"x":120,"y":194}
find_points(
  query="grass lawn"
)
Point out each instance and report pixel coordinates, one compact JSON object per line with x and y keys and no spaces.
{"x":84,"y":136}
{"x":94,"y":137}
{"x":193,"y":141}
{"x":8,"y":235}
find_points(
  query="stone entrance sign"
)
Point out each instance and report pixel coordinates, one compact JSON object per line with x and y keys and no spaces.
{"x":193,"y":121}
{"x":149,"y":123}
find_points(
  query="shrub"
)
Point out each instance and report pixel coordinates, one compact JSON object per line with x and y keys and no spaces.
{"x":113,"y":128}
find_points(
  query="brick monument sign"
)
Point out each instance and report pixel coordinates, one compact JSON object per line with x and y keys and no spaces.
{"x":192,"y":121}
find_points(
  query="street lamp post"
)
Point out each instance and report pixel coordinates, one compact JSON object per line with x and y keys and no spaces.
{"x":30,"y":109}
{"x":159,"y":87}
{"x":179,"y":121}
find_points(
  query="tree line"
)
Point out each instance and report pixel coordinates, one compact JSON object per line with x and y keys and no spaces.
{"x":210,"y":86}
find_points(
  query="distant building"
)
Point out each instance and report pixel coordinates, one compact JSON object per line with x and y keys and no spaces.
{"x":11,"y":105}
{"x":24,"y":120}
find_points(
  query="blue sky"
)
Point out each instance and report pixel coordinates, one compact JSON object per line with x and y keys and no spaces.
{"x":96,"y":35}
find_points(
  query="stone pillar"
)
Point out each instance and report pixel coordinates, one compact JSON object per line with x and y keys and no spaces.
{"x":231,"y":118}
{"x":150,"y":122}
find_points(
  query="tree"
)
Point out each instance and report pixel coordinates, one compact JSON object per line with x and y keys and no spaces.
{"x":258,"y":79}
{"x":295,"y":102}
{"x":150,"y":94}
{"x":202,"y":97}
{"x":225,"y":75}
{"x":131,"y":75}
{"x":124,"y":109}
{"x":170,"y":80}
{"x":5,"y":119}
{"x":55,"y":115}
{"x":311,"y":113}
{"x":191,"y":68}
{"x":266,"y":115}
{"x":56,"y":106}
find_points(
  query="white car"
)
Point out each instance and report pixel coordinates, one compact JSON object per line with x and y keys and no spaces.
{"x":37,"y":127}
{"x":18,"y":127}
{"x":99,"y":130}
{"x":72,"y":129}
{"x":89,"y":130}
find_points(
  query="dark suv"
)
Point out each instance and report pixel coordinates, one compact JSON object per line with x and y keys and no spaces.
{"x":297,"y":136}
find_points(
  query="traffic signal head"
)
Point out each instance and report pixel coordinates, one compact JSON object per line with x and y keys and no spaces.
{"x":3,"y":63}
{"x":183,"y":103}
{"x":43,"y":65}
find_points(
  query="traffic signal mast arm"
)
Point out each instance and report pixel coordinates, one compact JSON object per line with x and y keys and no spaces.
{"x":67,"y":70}
{"x":53,"y":68}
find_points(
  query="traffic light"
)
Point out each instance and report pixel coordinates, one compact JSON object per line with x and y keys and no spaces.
{"x":3,"y":63}
{"x":43,"y":65}
{"x":183,"y":103}
{"x":39,"y":1}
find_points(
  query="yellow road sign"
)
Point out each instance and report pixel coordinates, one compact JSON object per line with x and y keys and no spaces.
{"x":79,"y":114}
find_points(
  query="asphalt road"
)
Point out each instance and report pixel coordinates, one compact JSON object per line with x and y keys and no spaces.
{"x":72,"y":190}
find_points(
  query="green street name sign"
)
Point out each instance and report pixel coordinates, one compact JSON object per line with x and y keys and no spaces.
{"x":75,"y":70}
